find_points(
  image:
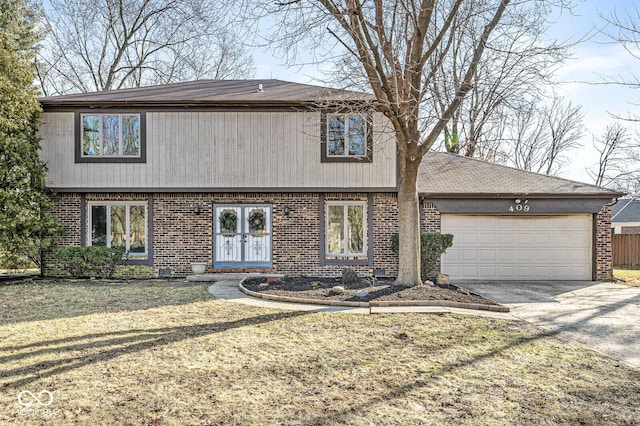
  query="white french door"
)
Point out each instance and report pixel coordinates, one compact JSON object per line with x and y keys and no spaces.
{"x":242,"y":236}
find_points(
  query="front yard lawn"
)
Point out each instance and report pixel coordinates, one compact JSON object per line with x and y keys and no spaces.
{"x":169,"y":354}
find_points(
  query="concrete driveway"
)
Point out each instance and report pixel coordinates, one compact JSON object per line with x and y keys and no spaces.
{"x":604,"y":317}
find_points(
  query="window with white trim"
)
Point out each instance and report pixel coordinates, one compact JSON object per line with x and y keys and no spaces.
{"x":119,"y":224}
{"x":346,"y":228}
{"x":110,"y":135}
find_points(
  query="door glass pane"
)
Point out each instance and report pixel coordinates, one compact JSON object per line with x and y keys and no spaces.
{"x":356,"y":229}
{"x":111,"y":134}
{"x":98,"y":225}
{"x":118,"y":226}
{"x":335,"y":230}
{"x":335,"y":135}
{"x":137,"y":229}
{"x":90,"y":135}
{"x":357,"y":128}
{"x":131,"y":135}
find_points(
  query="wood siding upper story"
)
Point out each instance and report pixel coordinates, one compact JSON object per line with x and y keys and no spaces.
{"x":220,"y":151}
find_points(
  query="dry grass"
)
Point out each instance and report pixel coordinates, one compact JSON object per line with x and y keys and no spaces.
{"x":168,"y":354}
{"x":630,"y":276}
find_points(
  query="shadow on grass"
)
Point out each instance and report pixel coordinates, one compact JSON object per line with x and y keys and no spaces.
{"x":401,"y":392}
{"x":341,"y":416}
{"x":119,"y":343}
{"x":54,"y":299}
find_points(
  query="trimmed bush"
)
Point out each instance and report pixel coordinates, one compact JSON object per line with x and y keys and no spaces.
{"x":432,"y":246}
{"x":91,"y":261}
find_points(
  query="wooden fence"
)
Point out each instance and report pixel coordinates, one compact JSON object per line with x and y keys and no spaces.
{"x":626,"y":250}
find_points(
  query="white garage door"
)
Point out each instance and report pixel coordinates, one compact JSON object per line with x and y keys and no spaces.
{"x":518,"y":247}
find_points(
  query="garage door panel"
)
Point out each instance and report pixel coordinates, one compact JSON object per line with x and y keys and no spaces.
{"x":487,"y":238}
{"x":486,"y":271}
{"x":523,"y":255}
{"x":504,"y":239}
{"x":522,"y":271}
{"x":505,"y":272}
{"x":469,"y":254}
{"x":518,"y":247}
{"x":486,"y":254}
{"x":561,"y":256}
{"x":542,"y":255}
{"x":504,"y":255}
{"x":467,"y":238}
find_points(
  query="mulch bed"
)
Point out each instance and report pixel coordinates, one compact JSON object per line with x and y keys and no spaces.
{"x":381,"y":289}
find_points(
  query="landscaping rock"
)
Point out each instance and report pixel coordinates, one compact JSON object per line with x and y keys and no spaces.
{"x":263,"y":285}
{"x":442,"y":279}
{"x":463,"y":291}
{"x":362,"y":293}
{"x":337,"y":290}
{"x":349,"y":276}
{"x":316,"y":284}
{"x":427,"y":282}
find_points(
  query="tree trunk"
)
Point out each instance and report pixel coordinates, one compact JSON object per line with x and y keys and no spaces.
{"x":409,"y":227}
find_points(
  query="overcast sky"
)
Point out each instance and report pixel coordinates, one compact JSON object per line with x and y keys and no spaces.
{"x":593,"y":57}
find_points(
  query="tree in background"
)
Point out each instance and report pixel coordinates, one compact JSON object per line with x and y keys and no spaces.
{"x":618,"y":166}
{"x":541,"y":135}
{"x":509,"y":82}
{"x":96,"y":45}
{"x":26,"y":226}
{"x":624,"y":28}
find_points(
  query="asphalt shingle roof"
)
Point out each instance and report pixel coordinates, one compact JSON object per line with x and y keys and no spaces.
{"x":211,"y":93}
{"x":626,"y":210}
{"x":449,"y":174}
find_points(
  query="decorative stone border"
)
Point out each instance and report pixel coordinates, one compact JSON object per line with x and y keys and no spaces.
{"x":374,"y":303}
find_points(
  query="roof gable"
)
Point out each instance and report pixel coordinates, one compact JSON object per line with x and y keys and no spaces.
{"x":444,"y":174}
{"x":210,"y":93}
{"x":626,"y":210}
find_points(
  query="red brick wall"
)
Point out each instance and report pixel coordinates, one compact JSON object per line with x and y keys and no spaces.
{"x":181,"y":237}
{"x":66,"y":209}
{"x":429,"y":217}
{"x":603,"y":253}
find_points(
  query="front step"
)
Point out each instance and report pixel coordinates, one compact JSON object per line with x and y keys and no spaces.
{"x":211,"y":277}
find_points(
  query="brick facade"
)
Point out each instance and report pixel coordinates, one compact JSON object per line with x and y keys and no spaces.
{"x":180,"y":236}
{"x":603,"y":252}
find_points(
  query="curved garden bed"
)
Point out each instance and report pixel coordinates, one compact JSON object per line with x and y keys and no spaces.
{"x":379,"y":292}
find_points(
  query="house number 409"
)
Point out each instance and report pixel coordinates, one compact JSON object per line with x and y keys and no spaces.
{"x":519,"y":206}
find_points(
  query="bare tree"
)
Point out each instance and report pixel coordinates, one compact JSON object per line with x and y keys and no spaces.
{"x":540,"y":137}
{"x":513,"y":72}
{"x":618,"y":164}
{"x":397,"y":48}
{"x":624,"y":28}
{"x":95,"y":45}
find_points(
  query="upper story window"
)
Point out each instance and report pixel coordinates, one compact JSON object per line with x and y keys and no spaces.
{"x":346,"y":138}
{"x":110,"y":137}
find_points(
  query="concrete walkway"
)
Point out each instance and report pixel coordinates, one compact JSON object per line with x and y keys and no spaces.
{"x":604,"y":317}
{"x":227,"y":289}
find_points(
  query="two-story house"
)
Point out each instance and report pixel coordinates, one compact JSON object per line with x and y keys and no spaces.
{"x":297,"y":179}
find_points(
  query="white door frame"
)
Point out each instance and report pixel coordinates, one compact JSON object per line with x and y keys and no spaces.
{"x":243,"y":248}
